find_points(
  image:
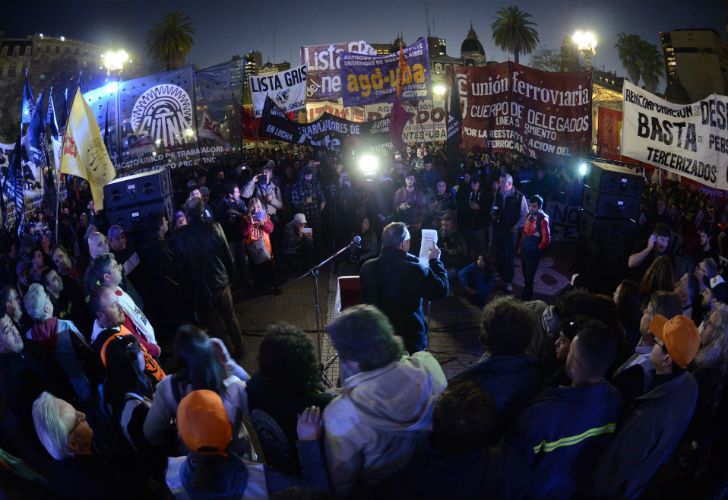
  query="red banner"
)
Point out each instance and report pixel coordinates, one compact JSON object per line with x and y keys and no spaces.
{"x":251,"y":125}
{"x":609,"y":133}
{"x":509,"y":107}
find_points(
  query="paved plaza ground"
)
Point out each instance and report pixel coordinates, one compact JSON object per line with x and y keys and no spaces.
{"x":454,"y":321}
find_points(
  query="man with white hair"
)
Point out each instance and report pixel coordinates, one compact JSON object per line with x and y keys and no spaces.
{"x":106,"y":271}
{"x":80,"y":470}
{"x":61,"y":340}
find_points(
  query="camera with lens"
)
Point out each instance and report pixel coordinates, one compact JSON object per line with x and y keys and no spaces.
{"x":496,"y":213}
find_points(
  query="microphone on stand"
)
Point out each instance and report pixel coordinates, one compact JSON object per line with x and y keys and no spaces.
{"x":356,"y":242}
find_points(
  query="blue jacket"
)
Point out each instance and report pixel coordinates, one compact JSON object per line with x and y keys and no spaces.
{"x":396,"y":283}
{"x":511,"y":380}
{"x":646,"y":439}
{"x":562,"y":433}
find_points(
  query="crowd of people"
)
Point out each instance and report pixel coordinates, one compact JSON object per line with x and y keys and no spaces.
{"x":120,"y":349}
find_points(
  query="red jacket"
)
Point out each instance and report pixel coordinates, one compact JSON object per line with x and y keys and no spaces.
{"x":537,"y":225}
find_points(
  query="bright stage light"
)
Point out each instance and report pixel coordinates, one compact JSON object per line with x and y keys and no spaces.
{"x":368,"y":164}
{"x":583,"y":168}
{"x":189,"y":132}
{"x":585,"y":41}
{"x":439,"y":89}
{"x":114,"y":59}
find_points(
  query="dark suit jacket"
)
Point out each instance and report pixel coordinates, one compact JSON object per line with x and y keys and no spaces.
{"x":396,"y":283}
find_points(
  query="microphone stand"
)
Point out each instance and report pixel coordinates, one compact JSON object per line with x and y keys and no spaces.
{"x":314,"y":272}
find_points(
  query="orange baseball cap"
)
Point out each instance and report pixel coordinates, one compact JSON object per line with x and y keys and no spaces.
{"x":203,"y":424}
{"x":680,"y":336}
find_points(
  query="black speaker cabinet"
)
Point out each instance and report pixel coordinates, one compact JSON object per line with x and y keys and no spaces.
{"x":610,"y":205}
{"x":607,"y":229}
{"x":133,"y":218}
{"x":614,"y":179}
{"x":137,"y":189}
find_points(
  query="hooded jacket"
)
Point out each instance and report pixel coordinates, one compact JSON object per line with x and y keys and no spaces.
{"x":379,"y":419}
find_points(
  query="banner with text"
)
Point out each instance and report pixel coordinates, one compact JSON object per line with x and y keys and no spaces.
{"x":180,"y":118}
{"x":286,"y":88}
{"x":370,"y":79}
{"x":689,"y":140}
{"x":314,"y":111}
{"x":428,"y":123}
{"x":328,"y":132}
{"x":509,"y":107}
{"x":324,"y":67}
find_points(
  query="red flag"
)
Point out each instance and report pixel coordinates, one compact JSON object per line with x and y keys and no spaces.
{"x":398,"y":118}
{"x":402,"y":67}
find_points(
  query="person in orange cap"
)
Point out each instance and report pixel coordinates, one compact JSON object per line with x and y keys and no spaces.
{"x":212,"y":470}
{"x":658,"y":419}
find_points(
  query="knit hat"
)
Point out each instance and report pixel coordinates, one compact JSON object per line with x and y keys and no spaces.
{"x":680,"y":336}
{"x":203,"y":424}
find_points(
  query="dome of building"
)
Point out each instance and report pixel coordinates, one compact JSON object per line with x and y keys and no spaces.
{"x":471,"y":45}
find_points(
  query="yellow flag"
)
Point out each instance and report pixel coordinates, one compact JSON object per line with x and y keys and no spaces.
{"x":84,"y":153}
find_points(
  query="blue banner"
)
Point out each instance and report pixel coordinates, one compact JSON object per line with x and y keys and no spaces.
{"x":367,"y":79}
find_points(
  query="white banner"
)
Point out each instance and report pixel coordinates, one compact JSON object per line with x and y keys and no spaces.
{"x":428,"y":122}
{"x":690,"y":140}
{"x":287,"y":89}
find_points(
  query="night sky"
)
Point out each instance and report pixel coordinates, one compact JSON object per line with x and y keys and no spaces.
{"x":228,"y":27}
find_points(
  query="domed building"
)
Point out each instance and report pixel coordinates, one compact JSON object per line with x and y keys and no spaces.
{"x":472,"y":52}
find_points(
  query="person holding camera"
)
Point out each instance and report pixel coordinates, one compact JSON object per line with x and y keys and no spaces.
{"x":298,"y":244}
{"x":256,"y":234}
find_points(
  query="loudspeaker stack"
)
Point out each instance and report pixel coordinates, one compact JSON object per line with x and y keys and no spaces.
{"x":608,"y":223}
{"x":129,"y":200}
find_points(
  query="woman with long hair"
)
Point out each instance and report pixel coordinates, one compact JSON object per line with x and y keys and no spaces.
{"x":369,"y":247}
{"x":711,"y":372}
{"x":257,"y":228}
{"x":128,"y":392}
{"x":288,"y":378}
{"x":199,"y":366}
{"x":659,"y":276}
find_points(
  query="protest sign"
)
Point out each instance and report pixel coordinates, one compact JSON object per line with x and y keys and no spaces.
{"x":286,"y":88}
{"x":328,"y":132}
{"x":324,"y":65}
{"x":541,"y":114}
{"x":690,"y":140}
{"x":370,"y":79}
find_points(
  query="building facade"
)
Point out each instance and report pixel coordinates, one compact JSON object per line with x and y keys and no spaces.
{"x":697,"y":61}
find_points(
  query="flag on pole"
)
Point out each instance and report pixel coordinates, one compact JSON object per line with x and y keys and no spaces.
{"x":33,"y":140}
{"x":399,"y":117}
{"x":15,"y":173}
{"x":52,"y":125}
{"x":27,"y":111}
{"x":84,"y":154}
{"x":64,"y":112}
{"x":402,"y":69}
{"x":454,"y":124}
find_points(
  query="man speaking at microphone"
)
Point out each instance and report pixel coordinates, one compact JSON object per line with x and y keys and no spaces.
{"x":397,"y":283}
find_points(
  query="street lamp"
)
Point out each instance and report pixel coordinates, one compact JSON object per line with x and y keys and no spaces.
{"x":114,"y":60}
{"x":586,"y":43}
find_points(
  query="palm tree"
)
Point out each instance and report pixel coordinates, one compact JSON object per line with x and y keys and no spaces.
{"x":629,"y":48}
{"x":651,"y":65}
{"x":170,"y":40}
{"x":545,"y":59}
{"x":513,"y":32}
